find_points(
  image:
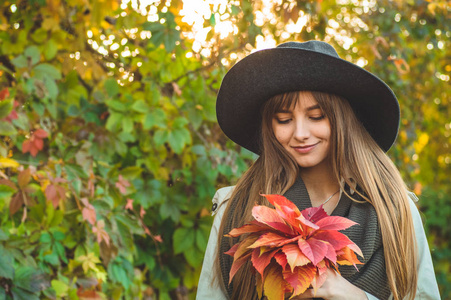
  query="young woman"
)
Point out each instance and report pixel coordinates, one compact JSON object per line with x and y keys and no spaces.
{"x":321,"y":126}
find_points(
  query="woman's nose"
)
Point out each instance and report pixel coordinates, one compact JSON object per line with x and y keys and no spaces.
{"x":301,"y":131}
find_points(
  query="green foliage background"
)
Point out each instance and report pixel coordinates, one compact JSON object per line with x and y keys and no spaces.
{"x":112,"y":200}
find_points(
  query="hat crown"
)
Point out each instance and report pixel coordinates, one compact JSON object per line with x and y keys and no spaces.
{"x":314,"y":46}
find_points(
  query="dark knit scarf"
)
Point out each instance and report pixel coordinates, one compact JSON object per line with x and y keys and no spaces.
{"x":372,"y":274}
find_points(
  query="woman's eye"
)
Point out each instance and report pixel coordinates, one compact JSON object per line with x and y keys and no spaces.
{"x":283,"y":121}
{"x":317,"y":118}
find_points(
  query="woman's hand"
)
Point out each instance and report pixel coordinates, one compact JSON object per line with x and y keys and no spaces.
{"x":335,"y":288}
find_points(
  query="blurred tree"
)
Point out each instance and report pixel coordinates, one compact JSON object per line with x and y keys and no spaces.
{"x":109,"y":150}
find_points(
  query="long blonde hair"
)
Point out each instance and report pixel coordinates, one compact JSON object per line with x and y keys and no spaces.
{"x":356,"y":159}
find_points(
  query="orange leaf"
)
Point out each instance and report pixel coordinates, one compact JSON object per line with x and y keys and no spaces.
{"x":271,"y":218}
{"x":23,"y":178}
{"x":248,"y":228}
{"x":300,"y":278}
{"x":274,"y":285}
{"x":295,"y":257}
{"x":243,"y":247}
{"x":347,"y":257}
{"x":269,"y":239}
{"x":4,"y":94}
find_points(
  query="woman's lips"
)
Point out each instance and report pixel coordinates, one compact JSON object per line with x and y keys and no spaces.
{"x":304,"y":149}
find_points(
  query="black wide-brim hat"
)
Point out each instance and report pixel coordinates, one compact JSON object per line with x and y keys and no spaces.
{"x":308,"y":66}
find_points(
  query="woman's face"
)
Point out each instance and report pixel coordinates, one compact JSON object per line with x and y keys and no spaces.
{"x":304,"y":131}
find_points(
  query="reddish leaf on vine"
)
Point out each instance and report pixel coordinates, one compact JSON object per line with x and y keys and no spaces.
{"x":129,"y":204}
{"x":35,"y":143}
{"x":100,"y":232}
{"x":13,"y":114}
{"x":16,"y":203}
{"x":261,"y":260}
{"x":55,"y":193}
{"x":4,"y":94}
{"x":23,"y":178}
{"x":88,"y":212}
{"x":122,"y":184}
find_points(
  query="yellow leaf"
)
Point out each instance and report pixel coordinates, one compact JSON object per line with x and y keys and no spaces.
{"x":8,"y":163}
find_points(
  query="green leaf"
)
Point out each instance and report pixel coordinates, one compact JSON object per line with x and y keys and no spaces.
{"x":127,"y":124}
{"x":131,"y":172}
{"x":117,"y":105}
{"x":6,"y":106}
{"x":113,"y":121}
{"x":183,"y":239}
{"x":6,"y":191}
{"x":59,"y":236}
{"x":45,"y":238}
{"x":111,"y":87}
{"x":193,"y":256}
{"x":20,"y":61}
{"x":140,"y":106}
{"x":20,"y":294}
{"x":43,"y":71}
{"x":7,"y":128}
{"x":31,"y":280}
{"x":6,"y":264}
{"x":50,"y":49}
{"x":2,"y":293}
{"x":157,"y":117}
{"x":60,"y":288}
{"x":201,"y":240}
{"x":33,"y":53}
{"x":160,"y":137}
{"x":168,"y":209}
{"x":180,"y":122}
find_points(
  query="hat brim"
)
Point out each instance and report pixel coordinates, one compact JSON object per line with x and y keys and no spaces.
{"x":267,"y":73}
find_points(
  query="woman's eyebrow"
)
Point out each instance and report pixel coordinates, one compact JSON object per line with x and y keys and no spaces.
{"x":283,"y":111}
{"x":313,"y":107}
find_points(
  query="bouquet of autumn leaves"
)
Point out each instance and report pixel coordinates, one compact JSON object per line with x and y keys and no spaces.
{"x":290,"y":250}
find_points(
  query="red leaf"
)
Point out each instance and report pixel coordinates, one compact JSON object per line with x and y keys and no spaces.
{"x":270,"y":217}
{"x":129,"y":204}
{"x":314,"y":249}
{"x":337,"y":239}
{"x":122,"y":185}
{"x":295,"y":257}
{"x":281,"y":259}
{"x":89,"y":214}
{"x":335,"y":223}
{"x":55,"y":193}
{"x":261,"y":260}
{"x":232,"y":250}
{"x":4,"y":94}
{"x":314,"y":214}
{"x":237,"y":264}
{"x":40,"y":133}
